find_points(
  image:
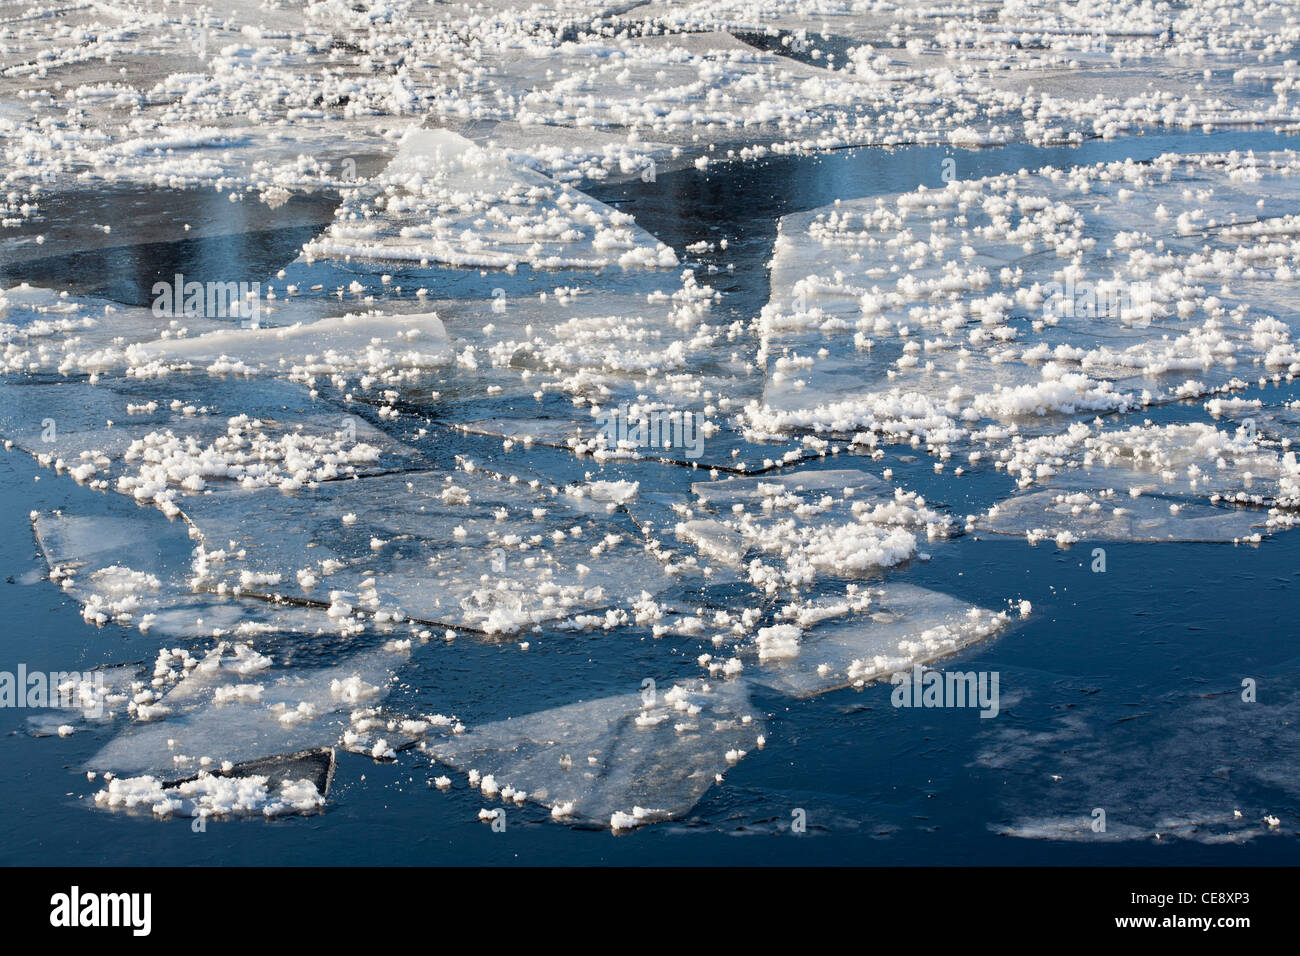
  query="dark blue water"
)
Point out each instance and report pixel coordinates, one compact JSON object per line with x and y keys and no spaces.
{"x":1124,"y":685}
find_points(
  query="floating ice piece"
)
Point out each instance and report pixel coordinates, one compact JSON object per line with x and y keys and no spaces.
{"x":371,"y":343}
{"x":272,"y":787}
{"x":134,"y":567}
{"x":885,"y":630}
{"x":461,"y":549}
{"x":158,"y":441}
{"x":778,"y":642}
{"x":1067,"y":517}
{"x":714,"y":540}
{"x":77,"y":697}
{"x":599,"y":761}
{"x":264,"y":102}
{"x":617,"y":376}
{"x":810,"y":524}
{"x":988,"y":322}
{"x":444,"y":199}
{"x":195,"y":727}
{"x":42,"y":330}
{"x":1192,"y":459}
{"x":1148,"y":483}
{"x":782,"y":489}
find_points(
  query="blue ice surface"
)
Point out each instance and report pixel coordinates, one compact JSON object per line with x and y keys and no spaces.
{"x":1119,"y":683}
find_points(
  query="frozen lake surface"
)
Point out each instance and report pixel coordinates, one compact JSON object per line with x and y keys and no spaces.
{"x":600,"y":420}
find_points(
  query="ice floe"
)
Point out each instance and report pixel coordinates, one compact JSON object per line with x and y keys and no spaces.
{"x":444,"y":199}
{"x":236,"y":705}
{"x":949,"y":314}
{"x":616,"y":761}
{"x":873,"y":633}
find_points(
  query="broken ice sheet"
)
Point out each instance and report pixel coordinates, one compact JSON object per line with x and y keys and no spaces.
{"x":456,"y":549}
{"x":1173,"y":482}
{"x":809,"y":525}
{"x":134,"y":567}
{"x":45,"y":331}
{"x":580,"y":340}
{"x":665,"y":85}
{"x":158,"y":440}
{"x":617,"y":761}
{"x":442,"y":198}
{"x":206,"y":87}
{"x":610,"y":374}
{"x":83,"y":697}
{"x":1192,"y":459}
{"x":955,"y":306}
{"x":789,"y":489}
{"x":870,"y":633}
{"x":614,"y":421}
{"x":267,"y":99}
{"x":118,"y":568}
{"x":269,"y":787}
{"x":847,"y":76}
{"x":714,"y":540}
{"x":1070,"y":516}
{"x":238,"y":705}
{"x":1281,"y":422}
{"x":630,"y":431}
{"x":373,"y":343}
{"x":42,"y":330}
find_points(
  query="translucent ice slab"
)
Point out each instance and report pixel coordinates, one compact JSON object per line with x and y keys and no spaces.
{"x":161,"y":440}
{"x":133,"y":566}
{"x":459,"y":549}
{"x":1149,"y":483}
{"x":444,"y":199}
{"x":889,"y":629}
{"x":809,"y":525}
{"x":236,"y":705}
{"x":369,"y":343}
{"x":1067,"y":517}
{"x":42,"y":330}
{"x":1030,"y":297}
{"x":616,"y":761}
